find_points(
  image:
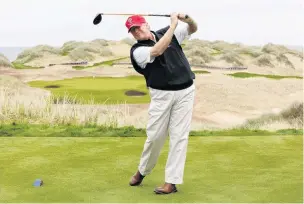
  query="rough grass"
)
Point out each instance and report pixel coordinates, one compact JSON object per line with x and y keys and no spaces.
{"x":79,"y":50}
{"x":249,"y":51}
{"x":101,"y":90}
{"x":283,"y":59}
{"x":292,"y":115}
{"x":223,"y":46}
{"x":294,"y":112}
{"x":67,"y":47}
{"x":15,"y":129}
{"x":233,"y":58}
{"x":218,"y":169}
{"x":22,"y":104}
{"x":9,"y":83}
{"x":89,"y":52}
{"x":199,"y":55}
{"x":264,"y":60}
{"x":248,"y":75}
{"x":36,"y":53}
{"x":80,"y":54}
{"x":271,"y":48}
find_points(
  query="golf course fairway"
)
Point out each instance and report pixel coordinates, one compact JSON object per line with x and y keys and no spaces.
{"x":230,"y":169}
{"x":102,"y":90}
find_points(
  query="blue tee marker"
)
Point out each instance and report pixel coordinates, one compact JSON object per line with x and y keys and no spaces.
{"x":38,"y":182}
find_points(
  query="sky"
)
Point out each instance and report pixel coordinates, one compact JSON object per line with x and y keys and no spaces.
{"x":26,"y":23}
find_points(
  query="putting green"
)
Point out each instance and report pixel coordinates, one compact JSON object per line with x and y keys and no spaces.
{"x":108,"y":90}
{"x":222,"y":169}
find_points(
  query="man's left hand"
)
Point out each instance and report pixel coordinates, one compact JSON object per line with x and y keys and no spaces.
{"x":182,"y":17}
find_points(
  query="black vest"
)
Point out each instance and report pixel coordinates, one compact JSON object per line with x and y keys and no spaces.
{"x":169,"y":71}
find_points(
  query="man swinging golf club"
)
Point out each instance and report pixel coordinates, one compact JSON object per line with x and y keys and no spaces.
{"x":158,"y":56}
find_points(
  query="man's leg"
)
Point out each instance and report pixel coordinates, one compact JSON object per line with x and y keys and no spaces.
{"x":179,"y":128}
{"x":157,"y":129}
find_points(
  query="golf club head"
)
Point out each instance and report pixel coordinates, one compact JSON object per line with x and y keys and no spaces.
{"x":97,"y":19}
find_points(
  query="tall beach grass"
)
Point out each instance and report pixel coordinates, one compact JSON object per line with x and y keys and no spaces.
{"x":19,"y":107}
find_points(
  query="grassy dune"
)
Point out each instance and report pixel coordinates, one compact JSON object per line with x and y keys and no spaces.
{"x":4,"y":61}
{"x":99,"y":89}
{"x":219,"y":169}
{"x":199,"y":52}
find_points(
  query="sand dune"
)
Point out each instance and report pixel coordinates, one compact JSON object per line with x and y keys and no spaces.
{"x":4,"y":62}
{"x":267,"y":59}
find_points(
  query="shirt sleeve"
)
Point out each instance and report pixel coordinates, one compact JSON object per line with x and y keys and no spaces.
{"x":142,"y":56}
{"x":181,"y":32}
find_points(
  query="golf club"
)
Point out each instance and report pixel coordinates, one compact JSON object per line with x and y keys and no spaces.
{"x":98,"y":17}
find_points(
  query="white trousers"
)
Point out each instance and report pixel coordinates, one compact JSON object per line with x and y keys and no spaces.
{"x":170,"y":112}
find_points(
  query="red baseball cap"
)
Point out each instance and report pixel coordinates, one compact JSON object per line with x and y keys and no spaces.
{"x":135,"y":20}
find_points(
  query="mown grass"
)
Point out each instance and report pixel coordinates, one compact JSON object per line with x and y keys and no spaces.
{"x":218,"y":170}
{"x":200,"y":72}
{"x":23,"y":66}
{"x":103,"y":63}
{"x":248,"y":75}
{"x":40,"y":130}
{"x":102,"y":90}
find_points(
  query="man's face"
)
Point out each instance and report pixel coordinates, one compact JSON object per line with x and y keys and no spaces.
{"x":141,"y":32}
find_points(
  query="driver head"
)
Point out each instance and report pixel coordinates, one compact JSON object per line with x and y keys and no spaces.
{"x":97,"y":19}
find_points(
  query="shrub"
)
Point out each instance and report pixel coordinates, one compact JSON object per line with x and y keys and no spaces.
{"x":293,"y":113}
{"x":199,"y":55}
{"x":249,"y":51}
{"x":81,"y":53}
{"x":223,"y":46}
{"x":105,"y":52}
{"x":271,"y":48}
{"x":264,"y":60}
{"x":283,"y":59}
{"x":69,"y":46}
{"x":233,"y":58}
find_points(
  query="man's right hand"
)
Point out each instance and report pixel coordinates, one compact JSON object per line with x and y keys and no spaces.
{"x":174,"y":20}
{"x":160,"y":47}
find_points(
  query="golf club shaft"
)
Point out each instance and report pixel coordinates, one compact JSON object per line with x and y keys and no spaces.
{"x":130,"y":14}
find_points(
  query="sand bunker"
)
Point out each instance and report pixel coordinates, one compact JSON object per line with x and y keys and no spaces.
{"x":135,"y":93}
{"x":52,"y":86}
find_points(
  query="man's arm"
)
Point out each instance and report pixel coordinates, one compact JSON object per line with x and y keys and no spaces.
{"x":160,"y":47}
{"x":192,"y":24}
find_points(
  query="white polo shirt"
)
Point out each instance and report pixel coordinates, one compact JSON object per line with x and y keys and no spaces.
{"x":142,"y":54}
